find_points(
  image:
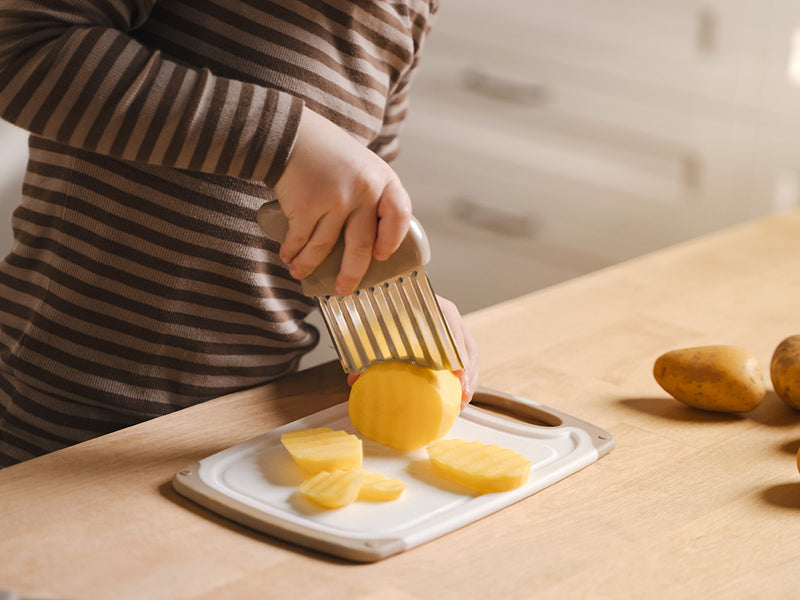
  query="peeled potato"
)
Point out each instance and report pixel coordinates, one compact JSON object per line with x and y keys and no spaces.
{"x":784,"y":370}
{"x":404,"y":406}
{"x":716,"y":378}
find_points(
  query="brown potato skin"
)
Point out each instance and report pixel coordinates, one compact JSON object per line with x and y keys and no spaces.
{"x":715,"y":378}
{"x":784,"y":370}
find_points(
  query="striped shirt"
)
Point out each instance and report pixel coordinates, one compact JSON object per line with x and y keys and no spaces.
{"x":139,"y":282}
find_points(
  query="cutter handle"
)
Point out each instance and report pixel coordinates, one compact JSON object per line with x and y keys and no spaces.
{"x":414,"y":251}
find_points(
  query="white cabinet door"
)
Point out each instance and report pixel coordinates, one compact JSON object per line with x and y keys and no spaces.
{"x":584,"y":132}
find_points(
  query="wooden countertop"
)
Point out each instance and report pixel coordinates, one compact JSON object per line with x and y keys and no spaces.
{"x":688,"y":505}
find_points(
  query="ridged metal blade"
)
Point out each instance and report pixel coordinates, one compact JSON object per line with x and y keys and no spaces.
{"x":399,"y":319}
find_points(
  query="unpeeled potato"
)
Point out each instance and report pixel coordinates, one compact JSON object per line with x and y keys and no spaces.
{"x":784,"y":370}
{"x":716,"y":378}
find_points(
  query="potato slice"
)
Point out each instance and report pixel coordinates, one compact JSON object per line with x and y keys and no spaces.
{"x":404,"y":406}
{"x":479,"y":466}
{"x":323,"y":449}
{"x":332,"y":489}
{"x":377,"y":487}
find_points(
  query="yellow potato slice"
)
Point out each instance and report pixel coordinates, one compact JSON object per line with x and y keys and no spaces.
{"x":479,"y":466}
{"x":404,"y":406}
{"x":377,"y":487}
{"x":332,"y":489}
{"x":323,"y":449}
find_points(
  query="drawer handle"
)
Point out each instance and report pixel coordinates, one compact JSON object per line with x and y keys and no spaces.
{"x":507,"y":90}
{"x":706,"y":35}
{"x":692,"y":172}
{"x":493,"y":220}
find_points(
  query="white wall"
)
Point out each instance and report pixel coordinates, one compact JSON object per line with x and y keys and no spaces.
{"x":13,"y":156}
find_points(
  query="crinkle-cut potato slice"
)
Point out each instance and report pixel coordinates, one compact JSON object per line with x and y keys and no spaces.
{"x":377,"y":487}
{"x":332,"y":489}
{"x":323,"y":449}
{"x":404,"y":406}
{"x":479,"y":466}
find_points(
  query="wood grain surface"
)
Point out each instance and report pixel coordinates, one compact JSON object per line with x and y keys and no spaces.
{"x":688,"y":505}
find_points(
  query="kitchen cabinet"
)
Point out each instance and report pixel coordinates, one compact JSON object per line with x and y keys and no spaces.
{"x":548,"y":139}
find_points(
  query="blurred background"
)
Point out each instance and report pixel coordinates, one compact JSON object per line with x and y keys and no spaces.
{"x":550,"y":138}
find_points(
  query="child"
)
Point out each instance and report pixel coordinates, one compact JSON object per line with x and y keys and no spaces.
{"x":139,"y":282}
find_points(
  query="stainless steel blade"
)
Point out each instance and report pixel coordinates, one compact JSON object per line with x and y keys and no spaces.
{"x":399,"y":319}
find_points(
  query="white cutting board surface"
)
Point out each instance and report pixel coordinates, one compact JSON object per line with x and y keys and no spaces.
{"x":255,"y":482}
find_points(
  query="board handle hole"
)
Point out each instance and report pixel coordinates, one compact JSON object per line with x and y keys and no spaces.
{"x":509,"y":407}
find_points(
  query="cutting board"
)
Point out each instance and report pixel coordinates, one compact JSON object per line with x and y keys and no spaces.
{"x":255,"y":483}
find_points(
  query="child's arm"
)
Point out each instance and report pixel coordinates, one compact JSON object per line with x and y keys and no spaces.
{"x":70,"y":72}
{"x":332,"y":183}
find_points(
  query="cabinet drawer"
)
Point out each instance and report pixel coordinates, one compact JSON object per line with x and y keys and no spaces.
{"x":499,"y":229}
{"x":560,"y":140}
{"x":508,"y":90}
{"x":488,"y":240}
{"x":558,"y":215}
{"x":695,"y":46}
{"x":548,"y":211}
{"x":569,"y":124}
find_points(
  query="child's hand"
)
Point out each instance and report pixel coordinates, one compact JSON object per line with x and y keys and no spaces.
{"x":467,"y":349}
{"x":332,"y":183}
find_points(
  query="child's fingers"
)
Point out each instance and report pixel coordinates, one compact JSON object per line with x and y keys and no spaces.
{"x":394,"y":215}
{"x":467,"y":349}
{"x":359,"y":238}
{"x":297,"y":236}
{"x":466,"y":396}
{"x":313,"y":247}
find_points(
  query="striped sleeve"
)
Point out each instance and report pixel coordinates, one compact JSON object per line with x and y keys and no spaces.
{"x":387,"y":143}
{"x":70,"y":72}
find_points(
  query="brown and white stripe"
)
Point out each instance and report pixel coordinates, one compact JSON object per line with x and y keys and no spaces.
{"x":139,"y":282}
